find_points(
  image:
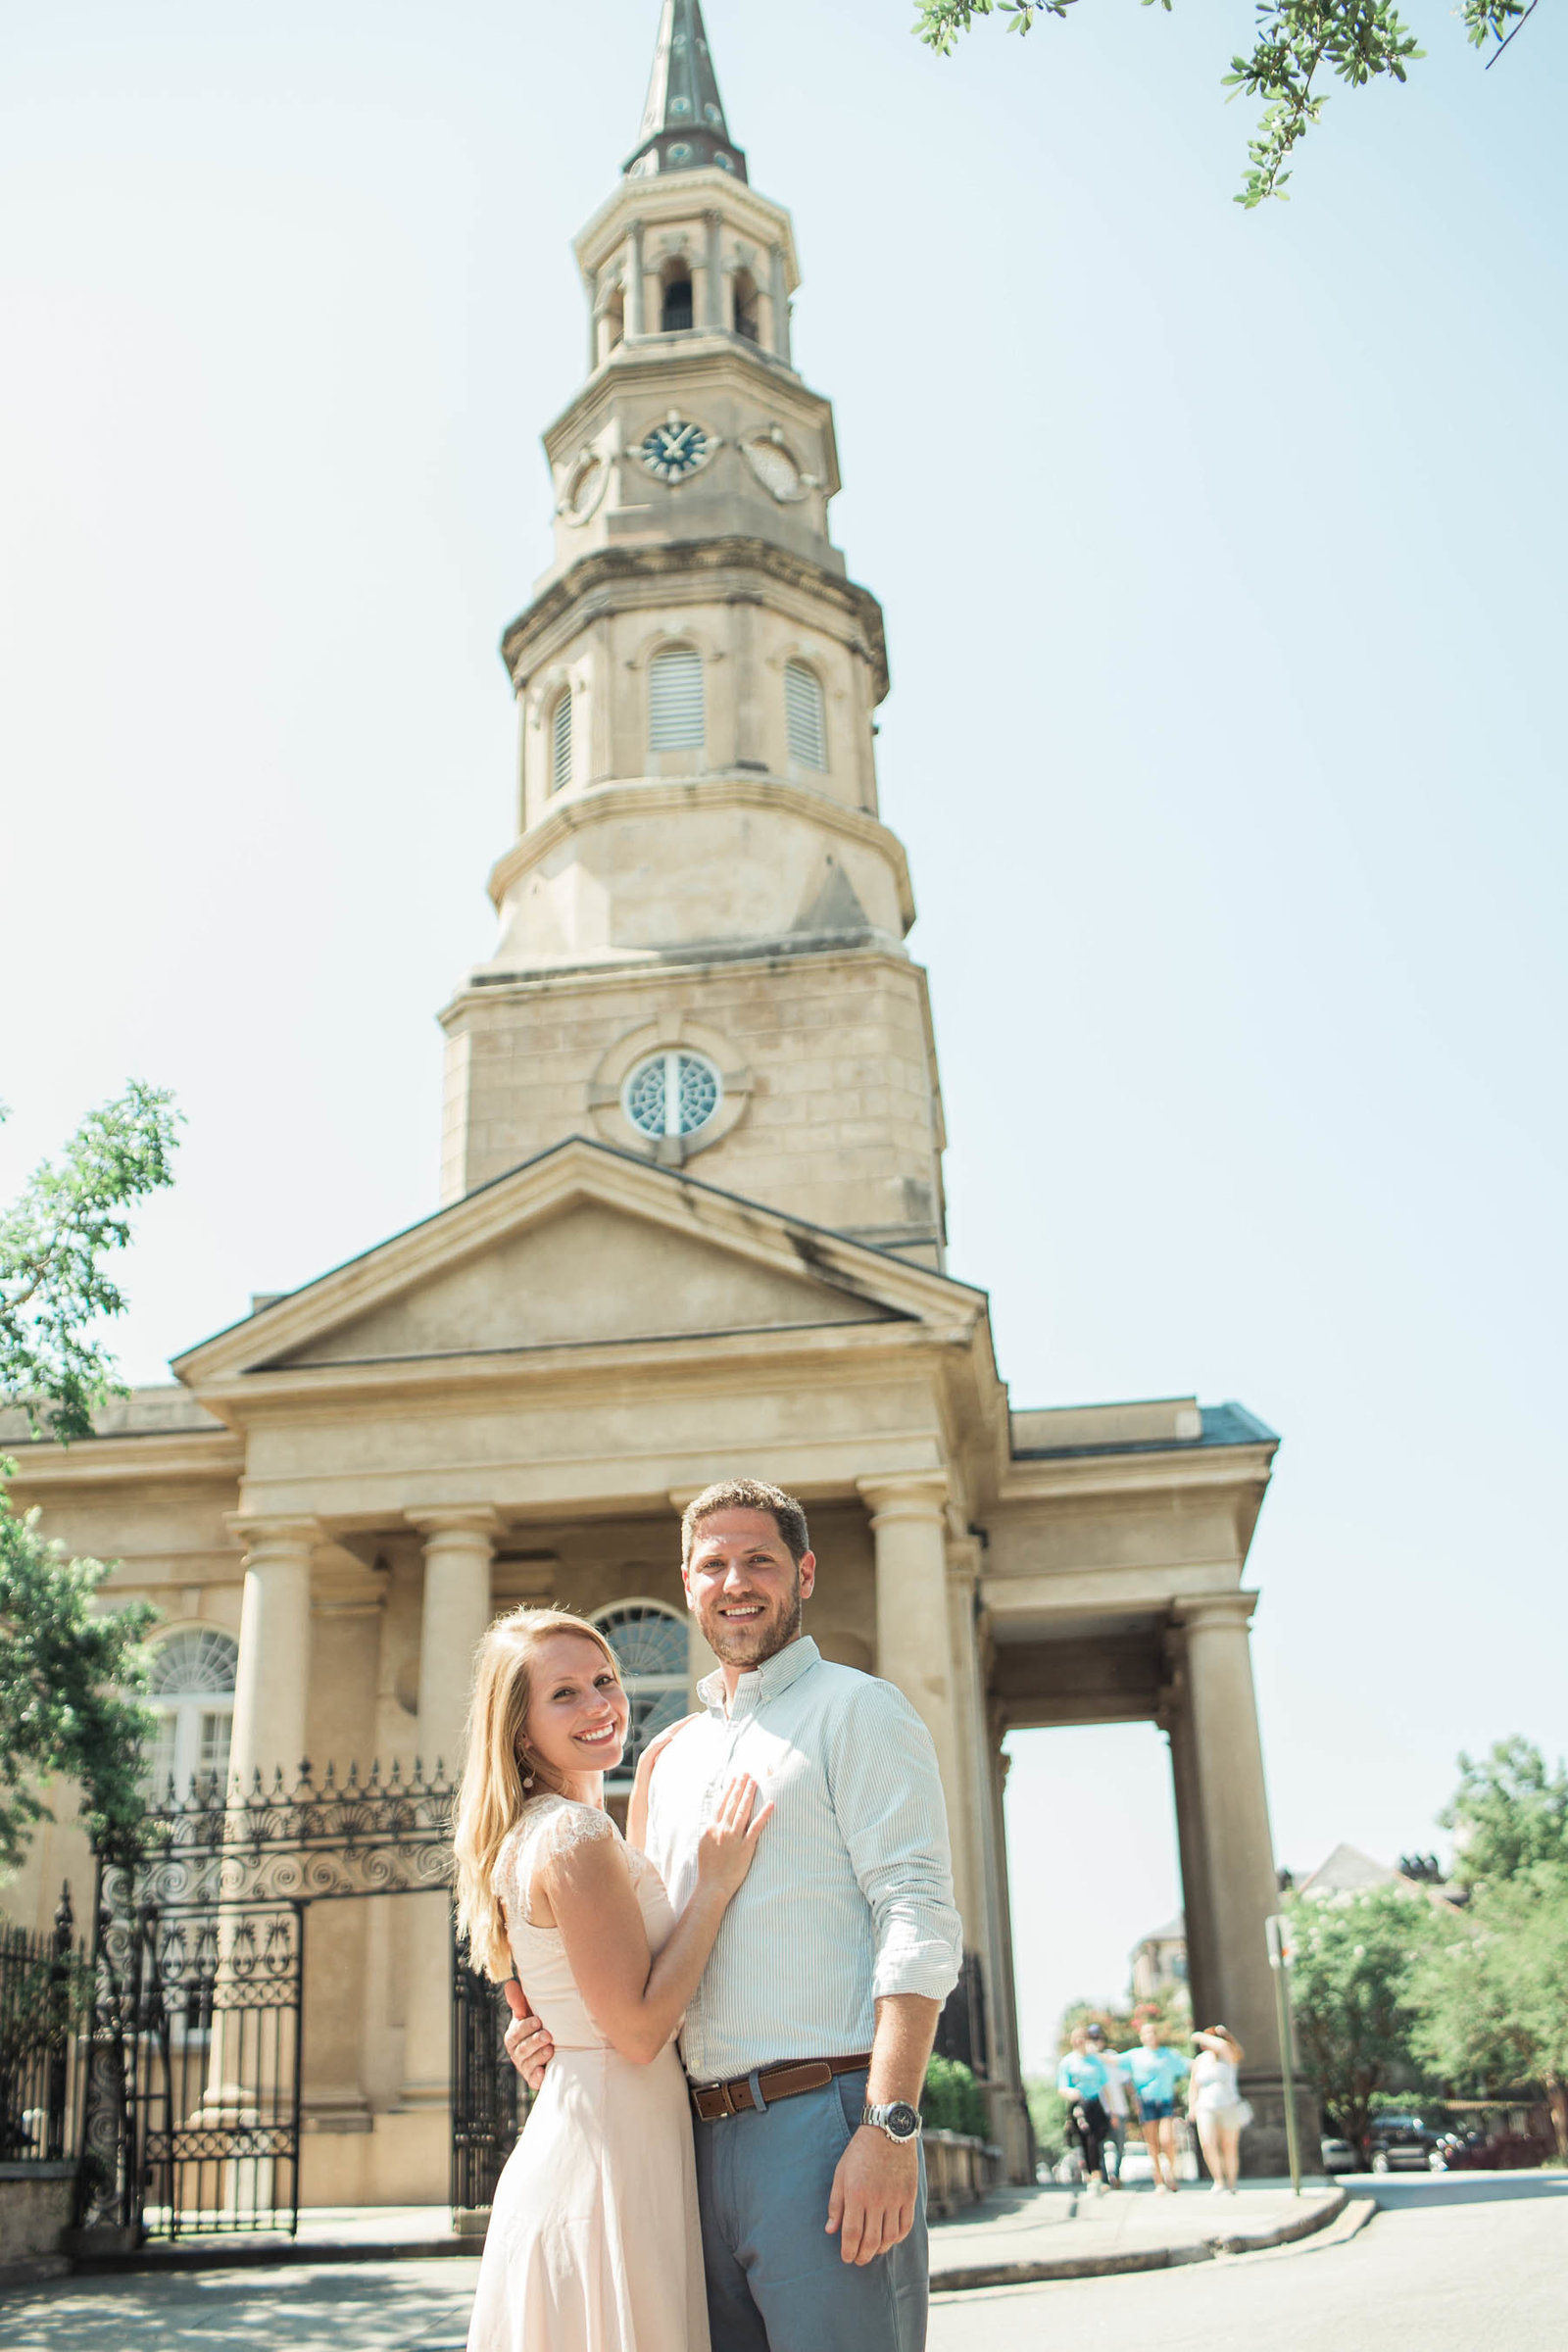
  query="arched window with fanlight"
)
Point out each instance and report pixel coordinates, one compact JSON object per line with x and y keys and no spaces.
{"x":190,"y":1694}
{"x":805,"y":716}
{"x":651,"y":1648}
{"x":675,"y":718}
{"x":561,"y":741}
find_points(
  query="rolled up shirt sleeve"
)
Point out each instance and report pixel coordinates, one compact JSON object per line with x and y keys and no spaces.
{"x":887,"y":1797}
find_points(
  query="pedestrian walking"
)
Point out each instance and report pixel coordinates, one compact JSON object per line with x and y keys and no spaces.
{"x":1114,"y":2097}
{"x":1080,"y":2080}
{"x":1157,"y":2073}
{"x":1215,"y":2103}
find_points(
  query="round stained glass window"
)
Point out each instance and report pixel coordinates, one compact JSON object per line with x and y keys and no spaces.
{"x":672,"y":1094}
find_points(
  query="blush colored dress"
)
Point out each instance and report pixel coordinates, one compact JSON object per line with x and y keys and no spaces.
{"x":594,"y":2242}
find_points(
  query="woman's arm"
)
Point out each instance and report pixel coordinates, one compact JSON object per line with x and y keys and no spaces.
{"x":635,"y":2003}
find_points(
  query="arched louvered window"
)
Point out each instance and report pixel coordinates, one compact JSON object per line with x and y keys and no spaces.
{"x":675,"y":700}
{"x":652,"y":1647}
{"x":190,"y":1692}
{"x":675,"y":315}
{"x":805,"y":716}
{"x":560,"y":743}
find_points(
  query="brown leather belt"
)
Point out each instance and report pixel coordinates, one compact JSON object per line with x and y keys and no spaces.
{"x":715,"y":2100}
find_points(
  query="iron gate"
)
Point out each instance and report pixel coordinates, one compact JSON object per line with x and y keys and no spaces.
{"x":194,"y":2064}
{"x":488,"y":2099}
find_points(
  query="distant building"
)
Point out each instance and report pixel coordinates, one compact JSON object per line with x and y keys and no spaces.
{"x":1160,"y":1959}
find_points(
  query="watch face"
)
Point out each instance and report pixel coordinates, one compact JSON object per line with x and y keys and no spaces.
{"x":674,"y":449}
{"x":903,"y":2121}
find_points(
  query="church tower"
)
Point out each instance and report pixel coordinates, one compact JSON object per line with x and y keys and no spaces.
{"x":701,"y":952}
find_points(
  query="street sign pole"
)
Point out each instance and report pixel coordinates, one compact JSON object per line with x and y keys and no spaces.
{"x":1280,"y":1957}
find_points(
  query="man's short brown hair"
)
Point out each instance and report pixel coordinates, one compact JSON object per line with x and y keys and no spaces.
{"x":747,"y":1494}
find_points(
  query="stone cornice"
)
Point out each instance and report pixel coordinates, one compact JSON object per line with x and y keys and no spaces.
{"x":704,"y":565}
{"x":607,"y":803}
{"x":283,"y":1392}
{"x":1136,"y":1473}
{"x":184,"y":1455}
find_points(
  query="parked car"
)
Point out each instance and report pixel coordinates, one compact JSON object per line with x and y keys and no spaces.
{"x":1503,"y":2152}
{"x":1338,"y":2155}
{"x":1400,"y":2143}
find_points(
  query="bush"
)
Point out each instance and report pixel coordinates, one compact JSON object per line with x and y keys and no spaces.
{"x":952,"y":2100}
{"x":1048,"y":2112}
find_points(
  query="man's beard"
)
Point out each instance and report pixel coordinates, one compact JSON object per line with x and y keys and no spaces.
{"x":759,"y":1638}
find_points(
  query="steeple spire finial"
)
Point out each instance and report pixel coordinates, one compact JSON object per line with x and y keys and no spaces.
{"x":683,"y":126}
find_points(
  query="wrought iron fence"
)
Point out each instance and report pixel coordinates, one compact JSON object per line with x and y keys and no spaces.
{"x":45,"y":2003}
{"x":193,"y":2103}
{"x":489,"y":2102}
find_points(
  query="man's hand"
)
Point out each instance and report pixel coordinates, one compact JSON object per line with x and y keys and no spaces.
{"x":873,"y":2197}
{"x":527,"y":2045}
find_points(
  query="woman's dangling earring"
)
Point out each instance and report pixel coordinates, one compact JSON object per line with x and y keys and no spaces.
{"x":527,"y":1775}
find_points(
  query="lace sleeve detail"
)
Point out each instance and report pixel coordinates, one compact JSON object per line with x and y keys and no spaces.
{"x":569,"y":1827}
{"x":556,"y":1828}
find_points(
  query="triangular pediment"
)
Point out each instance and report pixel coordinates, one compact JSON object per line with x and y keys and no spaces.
{"x":582,"y":1249}
{"x":584,"y":1275}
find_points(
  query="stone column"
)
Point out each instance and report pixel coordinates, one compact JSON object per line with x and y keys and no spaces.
{"x":1198,"y":1901}
{"x":1010,"y":2124}
{"x":779,"y":303}
{"x":713,"y":276}
{"x":909,"y":1520}
{"x":1231,"y":1830}
{"x":271,"y":1681}
{"x":458,"y":1548}
{"x":635,"y":295}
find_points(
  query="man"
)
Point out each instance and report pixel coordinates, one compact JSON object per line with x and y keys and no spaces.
{"x":807,"y":2040}
{"x":1115,"y":2097}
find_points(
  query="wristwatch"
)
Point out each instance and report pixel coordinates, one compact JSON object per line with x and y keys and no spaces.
{"x":897,"y":2118}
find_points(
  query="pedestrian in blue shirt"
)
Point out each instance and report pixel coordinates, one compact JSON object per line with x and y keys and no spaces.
{"x":1157,"y":2071}
{"x":1080,"y":2080}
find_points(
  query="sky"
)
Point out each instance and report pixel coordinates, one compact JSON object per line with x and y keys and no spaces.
{"x":1222,"y":559}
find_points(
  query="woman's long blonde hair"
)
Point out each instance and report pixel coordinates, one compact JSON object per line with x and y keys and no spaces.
{"x":491,"y":1794}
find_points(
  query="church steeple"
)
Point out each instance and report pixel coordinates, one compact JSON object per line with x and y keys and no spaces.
{"x":701,"y":947}
{"x":683,"y":126}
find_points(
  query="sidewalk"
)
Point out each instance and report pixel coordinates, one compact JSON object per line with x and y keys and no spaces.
{"x":1020,"y":2235}
{"x":1016,"y":2237}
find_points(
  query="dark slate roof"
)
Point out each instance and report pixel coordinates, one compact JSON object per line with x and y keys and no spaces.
{"x":683,"y":126}
{"x":1223,"y":1425}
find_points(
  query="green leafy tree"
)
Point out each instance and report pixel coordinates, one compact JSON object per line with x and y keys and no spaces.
{"x":70,"y":1674}
{"x":1298,"y":45}
{"x":1510,"y":1812}
{"x":54,"y":1289}
{"x":1496,"y":2012}
{"x":1353,"y":1995}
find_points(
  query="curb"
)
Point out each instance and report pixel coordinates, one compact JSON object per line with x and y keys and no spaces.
{"x":1151,"y":2258}
{"x":274,"y":2254}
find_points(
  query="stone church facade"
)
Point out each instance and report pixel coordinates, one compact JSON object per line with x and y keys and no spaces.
{"x":692,"y":1226}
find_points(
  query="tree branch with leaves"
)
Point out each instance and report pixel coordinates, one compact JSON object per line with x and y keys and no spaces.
{"x":1298,"y":45}
{"x":71,"y":1674}
{"x":54,"y":1289}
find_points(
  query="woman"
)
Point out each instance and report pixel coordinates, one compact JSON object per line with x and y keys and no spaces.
{"x":594,"y":2242}
{"x":1215,"y":2103}
{"x":1156,"y":2070}
{"x":1080,"y":2080}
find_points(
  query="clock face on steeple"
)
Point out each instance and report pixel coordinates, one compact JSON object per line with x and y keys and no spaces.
{"x":675,"y":449}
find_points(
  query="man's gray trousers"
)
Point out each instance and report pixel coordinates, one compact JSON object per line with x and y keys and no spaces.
{"x":776,"y":2280}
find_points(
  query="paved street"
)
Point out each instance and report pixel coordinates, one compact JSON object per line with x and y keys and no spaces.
{"x":1471,"y":2261}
